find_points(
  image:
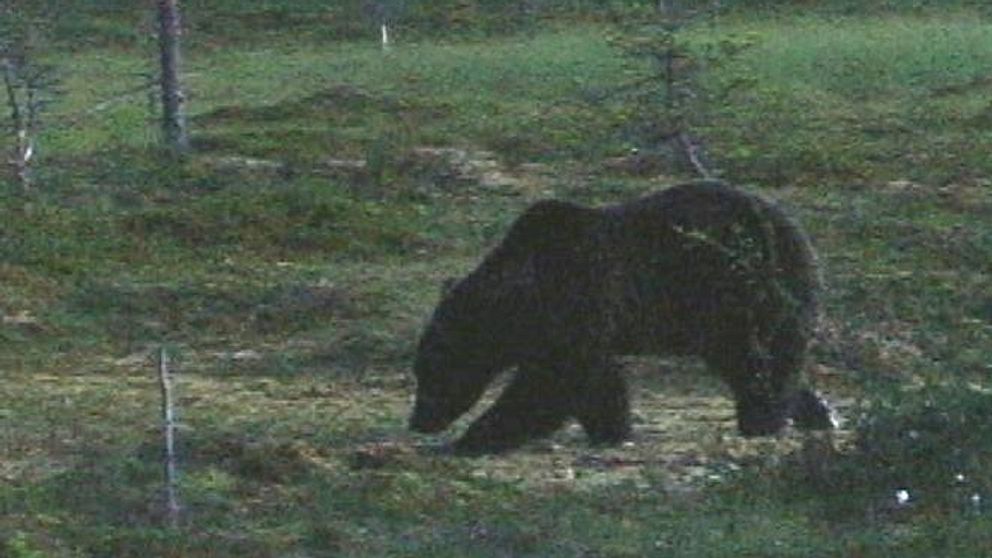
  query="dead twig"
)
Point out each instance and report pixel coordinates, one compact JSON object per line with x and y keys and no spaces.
{"x":692,"y":152}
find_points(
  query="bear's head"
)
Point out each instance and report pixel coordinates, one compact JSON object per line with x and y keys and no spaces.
{"x":456,"y":360}
{"x":492,"y":319}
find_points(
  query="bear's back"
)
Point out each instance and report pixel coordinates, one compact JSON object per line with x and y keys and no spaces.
{"x":702,"y":205}
{"x":694,"y":253}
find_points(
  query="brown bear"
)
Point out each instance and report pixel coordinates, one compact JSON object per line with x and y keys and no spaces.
{"x":697,"y":269}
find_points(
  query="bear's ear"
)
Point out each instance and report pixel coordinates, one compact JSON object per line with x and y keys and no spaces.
{"x":550,"y":224}
{"x":448,"y":285}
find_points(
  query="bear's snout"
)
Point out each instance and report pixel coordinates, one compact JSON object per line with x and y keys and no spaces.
{"x":424,"y":422}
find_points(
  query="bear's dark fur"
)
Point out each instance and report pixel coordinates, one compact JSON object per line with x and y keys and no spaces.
{"x":697,"y":269}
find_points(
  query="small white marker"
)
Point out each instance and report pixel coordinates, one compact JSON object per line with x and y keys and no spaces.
{"x":902,"y":497}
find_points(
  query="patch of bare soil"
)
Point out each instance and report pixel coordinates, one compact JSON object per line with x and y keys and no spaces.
{"x":685,"y":437}
{"x":681,"y":441}
{"x":456,"y":165}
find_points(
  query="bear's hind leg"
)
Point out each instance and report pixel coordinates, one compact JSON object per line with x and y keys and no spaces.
{"x":534,"y":405}
{"x":602,"y":403}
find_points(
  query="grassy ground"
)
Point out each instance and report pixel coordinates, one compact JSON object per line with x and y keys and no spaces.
{"x":289,"y":264}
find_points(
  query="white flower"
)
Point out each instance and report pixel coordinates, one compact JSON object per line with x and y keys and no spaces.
{"x":902,"y":496}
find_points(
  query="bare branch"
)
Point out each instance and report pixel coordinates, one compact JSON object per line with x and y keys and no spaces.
{"x":692,"y":152}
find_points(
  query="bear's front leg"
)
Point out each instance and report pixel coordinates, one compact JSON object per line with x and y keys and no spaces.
{"x":601,"y":402}
{"x":535,"y":404}
{"x":759,"y":395}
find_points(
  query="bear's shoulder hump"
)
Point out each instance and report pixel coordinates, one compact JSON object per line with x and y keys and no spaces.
{"x":547,"y":220}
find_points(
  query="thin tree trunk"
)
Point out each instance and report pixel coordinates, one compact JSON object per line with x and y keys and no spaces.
{"x":22,"y":119}
{"x":173,"y":117}
{"x":169,"y":427}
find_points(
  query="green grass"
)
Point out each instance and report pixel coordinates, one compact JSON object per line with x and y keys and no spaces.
{"x":902,"y":93}
{"x":336,"y":102}
{"x":291,"y":292}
